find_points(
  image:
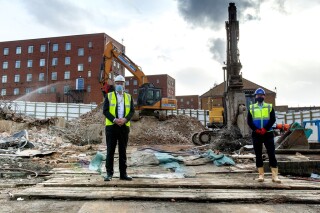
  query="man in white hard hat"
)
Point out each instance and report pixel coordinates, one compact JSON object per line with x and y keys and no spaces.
{"x":118,"y":109}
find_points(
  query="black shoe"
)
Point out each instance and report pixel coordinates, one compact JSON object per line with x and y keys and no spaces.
{"x":126,"y":177}
{"x":108,"y":178}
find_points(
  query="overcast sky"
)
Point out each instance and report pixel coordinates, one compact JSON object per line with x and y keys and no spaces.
{"x":279,"y":39}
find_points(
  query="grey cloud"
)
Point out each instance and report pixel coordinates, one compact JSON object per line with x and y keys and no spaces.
{"x":214,"y":13}
{"x":218,"y":49}
{"x":58,"y":14}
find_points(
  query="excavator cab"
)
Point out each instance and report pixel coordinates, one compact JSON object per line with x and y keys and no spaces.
{"x":148,"y":95}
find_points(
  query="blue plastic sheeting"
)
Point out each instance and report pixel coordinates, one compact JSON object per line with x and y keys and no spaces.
{"x":96,"y":162}
{"x":218,"y":159}
{"x":167,"y":158}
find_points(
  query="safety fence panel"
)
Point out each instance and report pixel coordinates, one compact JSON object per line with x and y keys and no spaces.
{"x":42,"y":110}
{"x":199,"y":114}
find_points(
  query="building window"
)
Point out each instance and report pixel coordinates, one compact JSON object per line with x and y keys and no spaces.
{"x":89,"y":74}
{"x":28,"y":90}
{"x":88,"y":88}
{"x":158,"y":81}
{"x":135,"y":91}
{"x":55,"y":47}
{"x":42,"y":48}
{"x":29,"y":77}
{"x":3,"y":92}
{"x":53,"y":89}
{"x":18,"y":64}
{"x":54,"y":76}
{"x":67,"y":60}
{"x":188,"y":102}
{"x":41,"y":76}
{"x":67,"y":75}
{"x":181,"y":100}
{"x":127,"y":83}
{"x":80,"y":67}
{"x":30,"y":49}
{"x":18,"y":50}
{"x":16,"y":78}
{"x":16,"y":91}
{"x":6,"y":51}
{"x":135,"y":82}
{"x":81,"y":52}
{"x":68,"y":46}
{"x":4,"y":79}
{"x":5,"y":65}
{"x":42,"y":62}
{"x":90,"y":44}
{"x":29,"y":63}
{"x":40,"y":90}
{"x":89,"y":59}
{"x":66,"y":89}
{"x":54,"y":61}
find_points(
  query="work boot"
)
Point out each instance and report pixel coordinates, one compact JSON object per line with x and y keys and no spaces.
{"x":261,"y":174}
{"x":275,"y":175}
{"x":108,"y":178}
{"x":125,"y":177}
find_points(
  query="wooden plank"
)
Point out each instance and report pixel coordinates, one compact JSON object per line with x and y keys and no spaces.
{"x":197,"y":183}
{"x":214,"y":195}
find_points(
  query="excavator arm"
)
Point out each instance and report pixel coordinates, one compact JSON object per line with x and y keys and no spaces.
{"x":110,"y":54}
{"x":149,"y":97}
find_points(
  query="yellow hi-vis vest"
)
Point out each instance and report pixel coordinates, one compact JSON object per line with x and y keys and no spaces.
{"x":260,"y":116}
{"x":113,"y":103}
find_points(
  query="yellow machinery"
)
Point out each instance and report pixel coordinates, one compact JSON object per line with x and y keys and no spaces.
{"x":150,"y":101}
{"x":216,"y":118}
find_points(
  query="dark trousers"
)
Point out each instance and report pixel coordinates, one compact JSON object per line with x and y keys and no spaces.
{"x":268,"y":142}
{"x":116,"y":134}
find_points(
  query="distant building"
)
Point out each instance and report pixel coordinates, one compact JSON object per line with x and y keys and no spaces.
{"x":163,"y":81}
{"x":214,"y":97}
{"x":188,"y":102}
{"x":55,"y":69}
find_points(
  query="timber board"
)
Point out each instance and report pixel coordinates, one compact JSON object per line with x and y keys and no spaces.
{"x":182,"y":194}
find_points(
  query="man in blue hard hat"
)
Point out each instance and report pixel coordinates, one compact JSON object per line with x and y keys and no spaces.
{"x":261,"y":118}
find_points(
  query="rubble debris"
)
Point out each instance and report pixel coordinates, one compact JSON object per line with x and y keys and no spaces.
{"x":228,"y":141}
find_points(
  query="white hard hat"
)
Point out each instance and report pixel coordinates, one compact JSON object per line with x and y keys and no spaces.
{"x":119,"y":78}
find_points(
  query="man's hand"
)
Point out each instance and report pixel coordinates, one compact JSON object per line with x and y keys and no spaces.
{"x":120,"y":121}
{"x":258,"y":131}
{"x":263,"y":131}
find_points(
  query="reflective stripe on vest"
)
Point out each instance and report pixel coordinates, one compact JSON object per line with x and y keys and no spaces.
{"x":260,"y":116}
{"x":113,"y":103}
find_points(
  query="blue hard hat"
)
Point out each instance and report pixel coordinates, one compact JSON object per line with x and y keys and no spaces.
{"x":260,"y":91}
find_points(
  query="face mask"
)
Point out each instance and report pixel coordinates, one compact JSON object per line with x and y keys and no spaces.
{"x":260,"y":99}
{"x":119,"y":88}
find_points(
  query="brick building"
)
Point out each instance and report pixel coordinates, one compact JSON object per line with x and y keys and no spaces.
{"x":188,"y":102}
{"x":163,"y":81}
{"x":55,"y":69}
{"x":214,"y":97}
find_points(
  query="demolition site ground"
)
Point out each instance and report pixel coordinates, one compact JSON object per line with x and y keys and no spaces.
{"x":49,"y":168}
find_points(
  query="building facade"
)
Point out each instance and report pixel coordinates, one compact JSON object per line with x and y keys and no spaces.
{"x":163,"y":81}
{"x":55,"y":69}
{"x":188,"y":102}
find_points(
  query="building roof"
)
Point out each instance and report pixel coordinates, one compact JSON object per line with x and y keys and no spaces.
{"x":249,"y":86}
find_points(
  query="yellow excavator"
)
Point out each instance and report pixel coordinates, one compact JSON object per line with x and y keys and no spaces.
{"x":150,"y":100}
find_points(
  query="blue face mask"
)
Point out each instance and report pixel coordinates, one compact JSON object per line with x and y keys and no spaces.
{"x":260,"y":99}
{"x":119,"y":88}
